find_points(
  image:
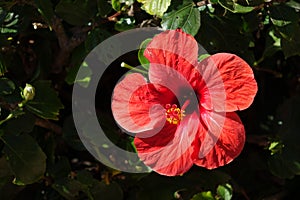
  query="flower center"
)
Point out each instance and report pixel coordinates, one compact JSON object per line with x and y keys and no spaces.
{"x":174,"y":114}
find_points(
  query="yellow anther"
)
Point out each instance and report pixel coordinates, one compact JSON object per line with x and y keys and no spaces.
{"x":173,"y":114}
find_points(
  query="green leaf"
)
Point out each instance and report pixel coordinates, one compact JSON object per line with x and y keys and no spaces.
{"x":203,"y":56}
{"x":46,"y":103}
{"x":26,"y":158}
{"x":6,"y":86}
{"x":103,"y":191}
{"x":143,"y":60}
{"x":3,"y":68}
{"x":104,"y":8}
{"x":290,"y":40}
{"x":45,"y":7}
{"x":154,"y":7}
{"x":224,"y":34}
{"x":69,"y":188}
{"x":95,"y":37}
{"x":70,"y":135}
{"x":20,"y":124}
{"x":116,"y":5}
{"x":124,"y":24}
{"x":234,"y":7}
{"x":77,"y":13}
{"x":293,"y":4}
{"x":273,"y":44}
{"x":225,"y":191}
{"x":84,"y":77}
{"x":4,"y":168}
{"x":286,"y":164}
{"x":282,"y":15}
{"x":60,"y":169}
{"x":203,"y":196}
{"x":185,"y":17}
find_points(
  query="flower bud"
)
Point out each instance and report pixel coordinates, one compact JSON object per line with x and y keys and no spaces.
{"x":28,"y":92}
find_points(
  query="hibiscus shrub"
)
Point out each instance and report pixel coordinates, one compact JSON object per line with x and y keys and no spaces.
{"x":255,"y":47}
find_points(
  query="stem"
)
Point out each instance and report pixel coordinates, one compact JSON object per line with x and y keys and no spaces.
{"x":7,"y":118}
{"x":123,"y":64}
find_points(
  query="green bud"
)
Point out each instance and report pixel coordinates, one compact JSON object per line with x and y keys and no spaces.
{"x":28,"y":92}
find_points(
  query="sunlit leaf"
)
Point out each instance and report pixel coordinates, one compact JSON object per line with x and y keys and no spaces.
{"x":124,"y":24}
{"x":282,"y":15}
{"x":203,"y":196}
{"x":154,"y":7}
{"x":234,"y":7}
{"x":225,"y":191}
{"x":116,"y":5}
{"x":186,"y":17}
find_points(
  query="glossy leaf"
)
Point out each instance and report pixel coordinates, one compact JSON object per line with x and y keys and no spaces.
{"x":154,"y":7}
{"x":26,"y":158}
{"x":225,"y":191}
{"x":203,"y":196}
{"x":116,"y":5}
{"x":186,"y":17}
{"x":46,"y":103}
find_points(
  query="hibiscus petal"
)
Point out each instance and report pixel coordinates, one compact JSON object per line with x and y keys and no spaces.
{"x":174,"y":49}
{"x":170,"y":151}
{"x":228,"y":146}
{"x":137,"y":105}
{"x":230,"y":83}
{"x":176,"y":82}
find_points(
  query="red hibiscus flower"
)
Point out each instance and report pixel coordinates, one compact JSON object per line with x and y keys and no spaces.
{"x":184,"y":114}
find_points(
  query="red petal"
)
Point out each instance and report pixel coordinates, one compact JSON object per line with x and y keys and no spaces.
{"x":228,"y":77}
{"x":228,"y":146}
{"x":137,"y":106}
{"x":175,"y":81}
{"x":169,"y":152}
{"x":174,"y":49}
